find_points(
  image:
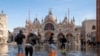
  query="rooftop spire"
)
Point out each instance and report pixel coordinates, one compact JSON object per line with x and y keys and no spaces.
{"x":42,"y":20}
{"x":2,"y":11}
{"x":50,"y":11}
{"x":73,"y":19}
{"x":36,"y":17}
{"x":65,"y":16}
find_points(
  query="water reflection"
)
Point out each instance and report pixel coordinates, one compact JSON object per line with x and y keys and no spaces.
{"x":3,"y":49}
{"x":10,"y":50}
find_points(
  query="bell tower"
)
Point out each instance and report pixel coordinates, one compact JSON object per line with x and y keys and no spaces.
{"x":98,"y":21}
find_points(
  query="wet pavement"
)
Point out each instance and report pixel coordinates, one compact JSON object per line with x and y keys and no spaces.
{"x":11,"y":50}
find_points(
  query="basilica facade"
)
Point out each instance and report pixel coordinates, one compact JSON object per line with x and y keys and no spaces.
{"x":49,"y":25}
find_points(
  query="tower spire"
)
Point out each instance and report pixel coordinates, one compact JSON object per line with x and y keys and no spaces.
{"x":65,"y":16}
{"x":36,"y":17}
{"x":42,"y":19}
{"x":26,"y":21}
{"x":73,"y":18}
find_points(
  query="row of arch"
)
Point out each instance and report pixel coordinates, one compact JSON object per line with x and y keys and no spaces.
{"x":1,"y":26}
{"x":47,"y":35}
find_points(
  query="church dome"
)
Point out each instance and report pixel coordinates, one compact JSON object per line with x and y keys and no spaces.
{"x":50,"y":17}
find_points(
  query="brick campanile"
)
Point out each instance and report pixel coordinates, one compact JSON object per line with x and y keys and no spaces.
{"x":98,"y":21}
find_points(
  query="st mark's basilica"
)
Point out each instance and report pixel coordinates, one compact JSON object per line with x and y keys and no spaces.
{"x":49,"y":25}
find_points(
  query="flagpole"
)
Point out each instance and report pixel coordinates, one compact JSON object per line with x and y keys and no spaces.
{"x":68,"y":13}
{"x":29,"y":14}
{"x":68,"y":20}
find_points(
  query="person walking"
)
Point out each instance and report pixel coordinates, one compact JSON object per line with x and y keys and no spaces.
{"x":19,"y":40}
{"x":52,"y":48}
{"x":63,"y":40}
{"x":30,"y":42}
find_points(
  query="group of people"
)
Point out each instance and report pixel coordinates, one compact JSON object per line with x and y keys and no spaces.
{"x":31,"y":41}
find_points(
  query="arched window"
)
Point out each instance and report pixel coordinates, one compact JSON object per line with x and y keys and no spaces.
{"x":49,"y":26}
{"x":93,"y":27}
{"x":1,"y":32}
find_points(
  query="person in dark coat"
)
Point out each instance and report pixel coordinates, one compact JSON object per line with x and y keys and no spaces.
{"x":51,"y":39}
{"x":19,"y":40}
{"x":62,"y":40}
{"x":30,"y":42}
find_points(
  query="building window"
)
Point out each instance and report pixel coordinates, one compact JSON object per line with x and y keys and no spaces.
{"x":49,"y":26}
{"x":93,"y":27}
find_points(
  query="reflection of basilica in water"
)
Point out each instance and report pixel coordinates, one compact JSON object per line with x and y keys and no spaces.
{"x":49,"y":25}
{"x":3,"y":49}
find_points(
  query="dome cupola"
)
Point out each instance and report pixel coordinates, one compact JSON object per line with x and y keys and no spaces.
{"x":50,"y":17}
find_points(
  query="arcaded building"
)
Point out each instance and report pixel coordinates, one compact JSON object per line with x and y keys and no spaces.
{"x":89,"y":30}
{"x":3,"y":28}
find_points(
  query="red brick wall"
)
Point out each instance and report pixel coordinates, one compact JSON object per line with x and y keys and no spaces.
{"x":98,"y":20}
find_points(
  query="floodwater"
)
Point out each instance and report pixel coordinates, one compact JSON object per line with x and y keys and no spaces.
{"x":11,"y":50}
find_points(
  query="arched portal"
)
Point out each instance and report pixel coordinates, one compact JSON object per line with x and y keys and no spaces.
{"x":60,"y":35}
{"x":69,"y":36}
{"x":47,"y":35}
{"x":49,"y":26}
{"x":71,"y":41}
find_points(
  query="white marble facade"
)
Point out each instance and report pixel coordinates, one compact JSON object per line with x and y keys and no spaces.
{"x":3,"y":28}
